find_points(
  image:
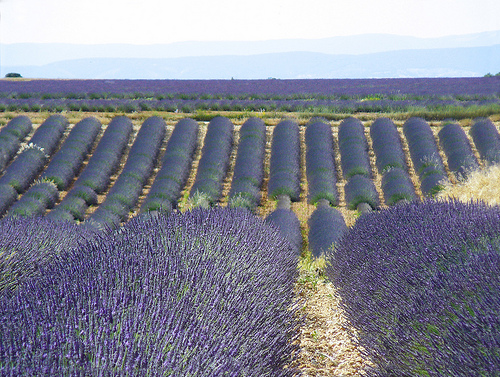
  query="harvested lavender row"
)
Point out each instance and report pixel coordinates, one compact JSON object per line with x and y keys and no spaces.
{"x":487,"y":140}
{"x":32,"y":243}
{"x":175,"y":165}
{"x":424,"y":304}
{"x":326,"y":228}
{"x":456,"y":146}
{"x":30,"y":161}
{"x":66,"y":163}
{"x":249,"y":165}
{"x":320,"y":163}
{"x":36,"y":200}
{"x":125,"y":192}
{"x":360,"y":189}
{"x":107,"y":155}
{"x":204,"y":293}
{"x":397,"y":186}
{"x":284,"y":174}
{"x":11,"y":136}
{"x":286,"y":221}
{"x":387,"y":145}
{"x":214,"y":159}
{"x":425,"y":155}
{"x":353,"y":148}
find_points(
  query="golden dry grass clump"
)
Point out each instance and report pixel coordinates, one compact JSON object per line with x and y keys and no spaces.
{"x":481,"y":185}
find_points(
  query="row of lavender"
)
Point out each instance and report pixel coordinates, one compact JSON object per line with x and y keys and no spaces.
{"x":284,"y":176}
{"x":187,"y":96}
{"x":283,"y":105}
{"x":471,"y":86}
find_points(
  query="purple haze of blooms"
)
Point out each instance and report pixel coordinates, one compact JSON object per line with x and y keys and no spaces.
{"x":473,"y":86}
{"x":420,"y":283}
{"x":353,"y":149}
{"x":320,"y":162}
{"x":29,"y":245}
{"x":457,"y":148}
{"x":487,"y":140}
{"x":284,"y":173}
{"x":214,"y":160}
{"x":204,"y":293}
{"x":175,"y":166}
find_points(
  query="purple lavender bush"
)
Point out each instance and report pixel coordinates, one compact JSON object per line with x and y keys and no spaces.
{"x":353,"y":149}
{"x":326,"y":228}
{"x":106,"y":157}
{"x":420,"y":283}
{"x":175,"y":165}
{"x":284,"y":173}
{"x":67,"y":161}
{"x":458,"y":151}
{"x":11,"y":135}
{"x":360,"y":189}
{"x":28,"y":245}
{"x":214,"y":160}
{"x":487,"y":140}
{"x":249,"y":165}
{"x":397,"y":186}
{"x":138,"y":167}
{"x":320,"y":162}
{"x":387,"y":145}
{"x":204,"y":293}
{"x":288,"y":224}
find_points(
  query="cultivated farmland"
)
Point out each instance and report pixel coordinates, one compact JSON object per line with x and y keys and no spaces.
{"x":310,"y":177}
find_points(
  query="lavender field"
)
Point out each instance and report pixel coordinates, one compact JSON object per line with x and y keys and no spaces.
{"x":434,"y":97}
{"x":115,"y":194}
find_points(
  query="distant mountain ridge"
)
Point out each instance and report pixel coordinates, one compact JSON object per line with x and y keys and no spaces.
{"x":361,"y":56}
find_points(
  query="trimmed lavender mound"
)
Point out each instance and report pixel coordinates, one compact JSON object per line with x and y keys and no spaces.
{"x":204,"y":293}
{"x":420,"y":282}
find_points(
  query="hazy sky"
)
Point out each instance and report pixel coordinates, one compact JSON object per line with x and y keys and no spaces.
{"x":165,"y":21}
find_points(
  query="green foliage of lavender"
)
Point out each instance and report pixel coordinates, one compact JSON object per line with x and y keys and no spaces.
{"x":204,"y":293}
{"x":420,"y":283}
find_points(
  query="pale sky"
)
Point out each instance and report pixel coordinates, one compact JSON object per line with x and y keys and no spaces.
{"x":165,"y":21}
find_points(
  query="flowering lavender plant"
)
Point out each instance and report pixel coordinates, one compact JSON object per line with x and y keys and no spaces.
{"x":205,"y":293}
{"x":420,"y":283}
